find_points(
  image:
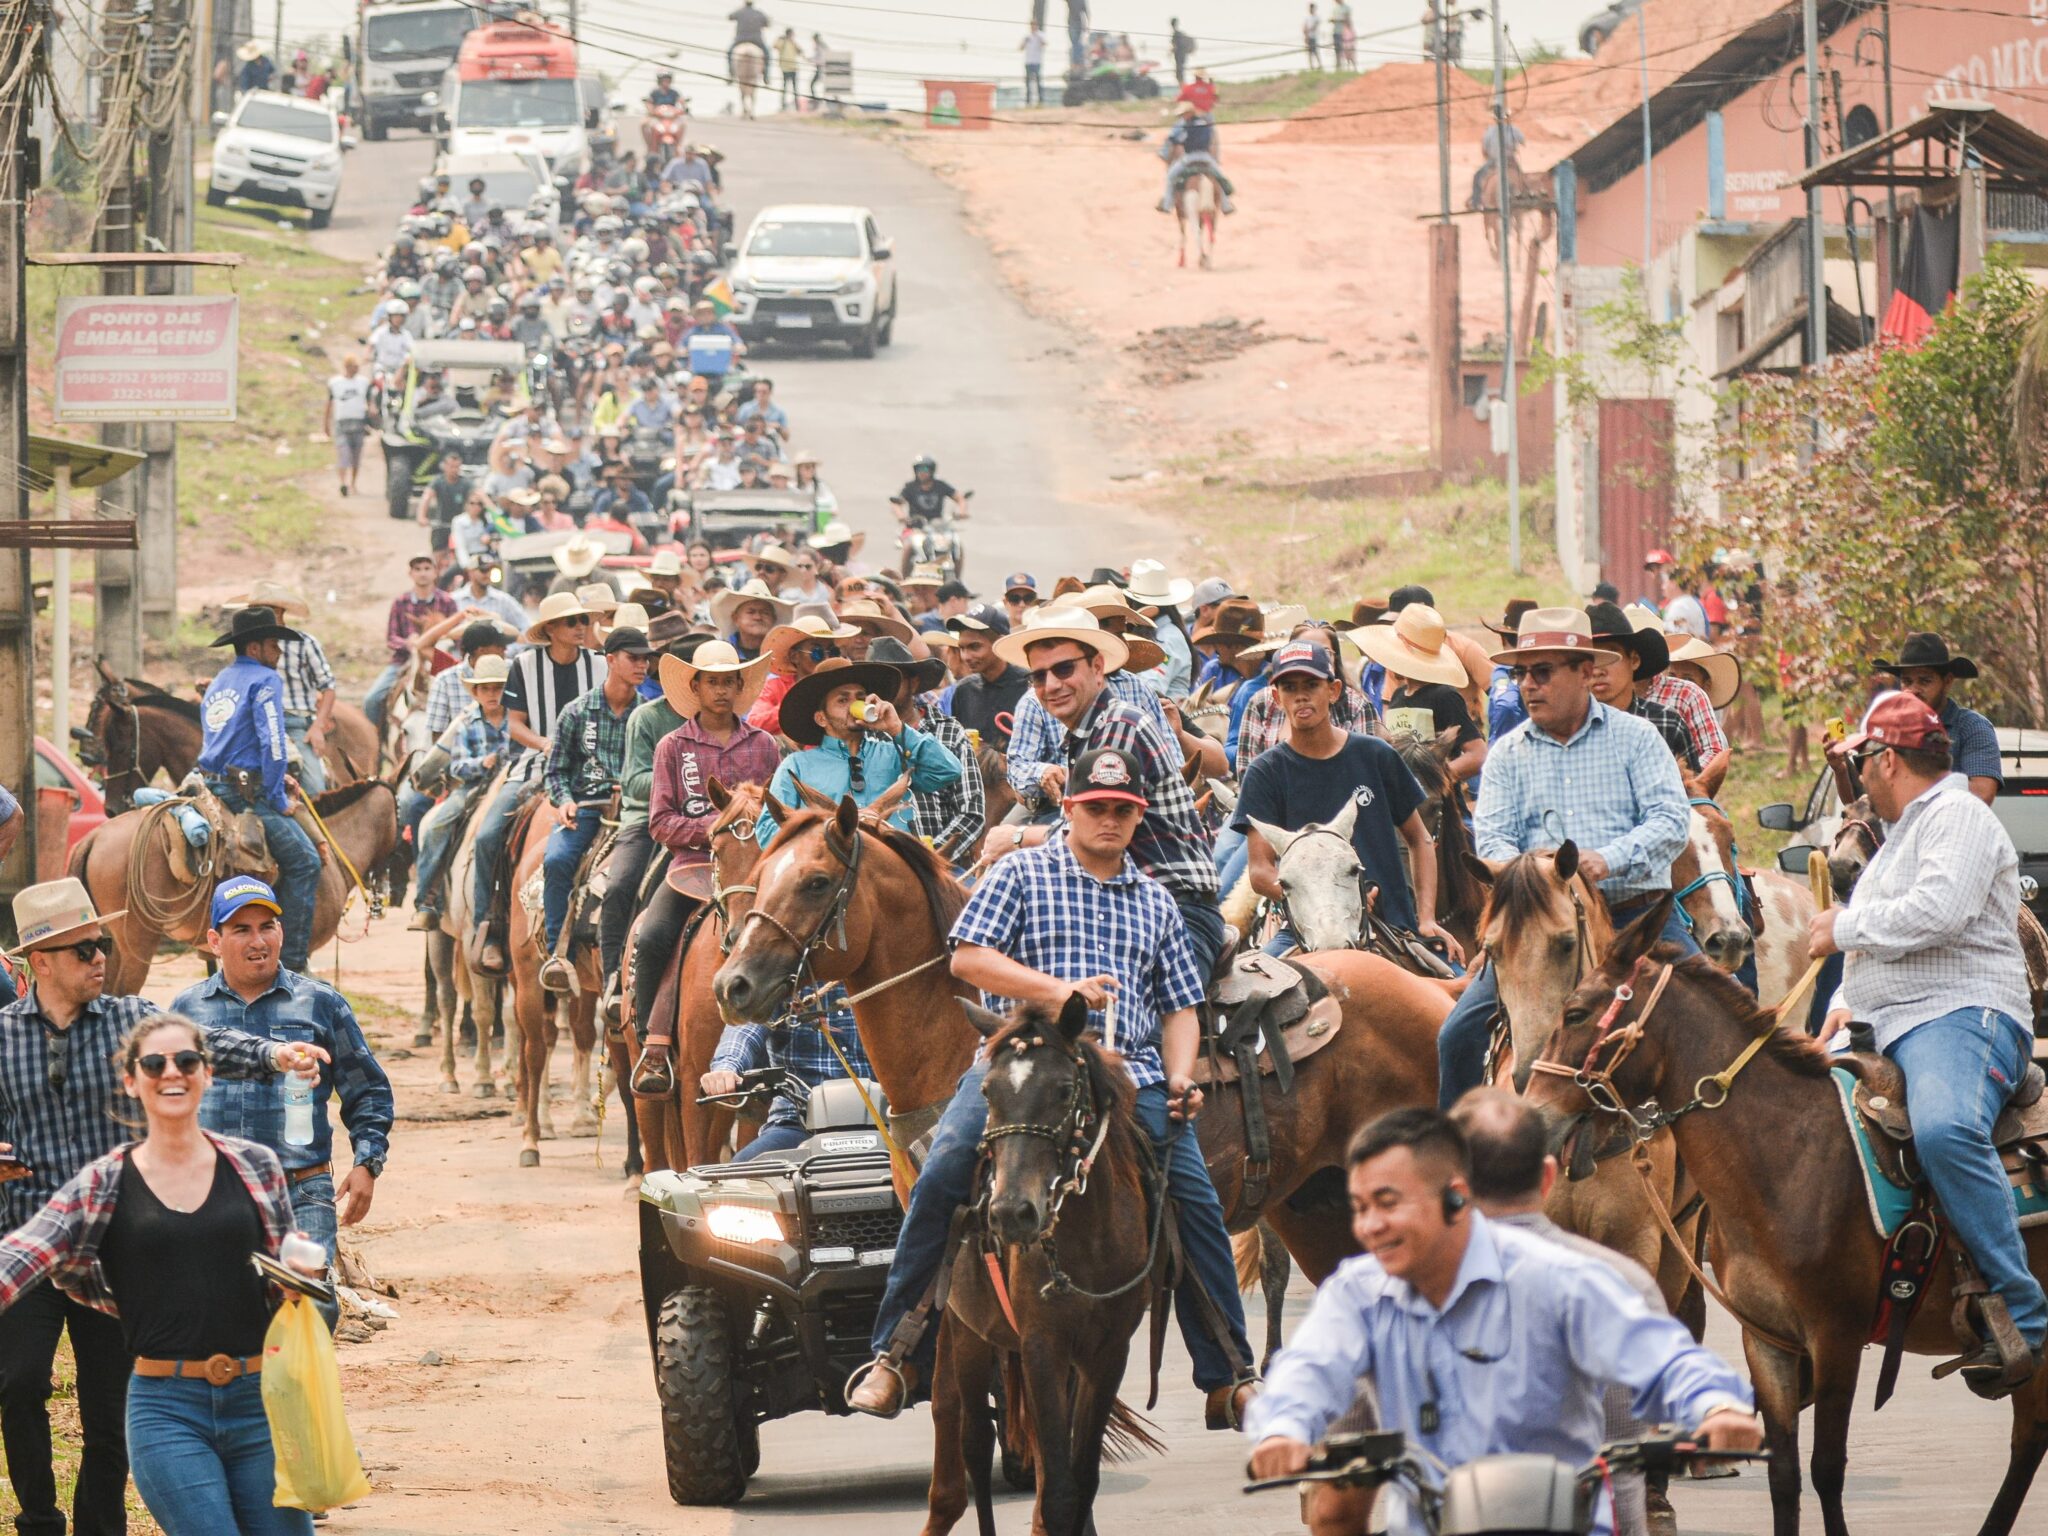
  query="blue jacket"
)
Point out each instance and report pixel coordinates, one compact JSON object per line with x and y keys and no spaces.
{"x":243,"y":717}
{"x":826,"y":768}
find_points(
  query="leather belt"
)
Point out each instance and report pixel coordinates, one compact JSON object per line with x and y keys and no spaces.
{"x":216,"y":1369}
{"x":300,"y":1175}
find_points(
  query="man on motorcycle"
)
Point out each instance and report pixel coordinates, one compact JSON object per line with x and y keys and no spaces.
{"x":1190,"y":147}
{"x":529,"y":329}
{"x":613,"y":509}
{"x":925,"y":496}
{"x":475,"y":209}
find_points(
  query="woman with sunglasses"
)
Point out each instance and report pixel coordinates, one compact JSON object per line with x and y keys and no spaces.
{"x":158,"y":1233}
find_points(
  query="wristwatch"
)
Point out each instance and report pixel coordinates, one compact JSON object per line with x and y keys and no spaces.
{"x":374,"y":1164}
{"x":1017,"y":837}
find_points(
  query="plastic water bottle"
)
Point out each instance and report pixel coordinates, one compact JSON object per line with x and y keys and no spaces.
{"x":298,"y":1109}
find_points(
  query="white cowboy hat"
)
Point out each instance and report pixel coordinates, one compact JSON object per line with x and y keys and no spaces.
{"x":597,"y":597}
{"x":553,"y":608}
{"x":1075,"y":624}
{"x":578,"y":557}
{"x":276,"y":596}
{"x":1565,"y":632}
{"x":629,"y":616}
{"x":869,"y":617}
{"x":1151,"y":587}
{"x":250,"y":51}
{"x":45,"y":913}
{"x":487,"y":671}
{"x":1415,"y":646}
{"x":839,"y":531}
{"x":712,"y":656}
{"x":1723,"y":668}
{"x":668,"y":563}
{"x":727,"y":603}
{"x":812,"y":625}
{"x":772,"y":554}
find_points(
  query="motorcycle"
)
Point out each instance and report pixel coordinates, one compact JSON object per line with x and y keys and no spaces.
{"x":936,"y":541}
{"x":662,"y":132}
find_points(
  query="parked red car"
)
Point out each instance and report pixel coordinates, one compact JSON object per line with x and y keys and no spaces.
{"x":55,"y":770}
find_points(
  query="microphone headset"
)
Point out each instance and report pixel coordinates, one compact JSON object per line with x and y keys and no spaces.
{"x":1454,"y":1202}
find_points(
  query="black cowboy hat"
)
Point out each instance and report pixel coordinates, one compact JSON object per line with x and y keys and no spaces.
{"x":1929,"y":650}
{"x":924,"y":675}
{"x":1649,"y":648}
{"x":1510,"y":623}
{"x":254,"y":624}
{"x":800,"y":706}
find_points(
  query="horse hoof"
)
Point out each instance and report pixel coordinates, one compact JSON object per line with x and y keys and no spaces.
{"x":451,"y":1086}
{"x":529,"y":1157}
{"x":484,"y":1091}
{"x":547,"y":1132}
{"x":424,"y":1037}
{"x":585,"y":1125}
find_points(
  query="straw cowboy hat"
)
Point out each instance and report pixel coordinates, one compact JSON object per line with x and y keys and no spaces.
{"x":578,"y":557}
{"x":773,"y":554}
{"x":629,"y":616}
{"x":47,"y":913}
{"x":799,"y":718}
{"x":838,"y":532}
{"x":678,"y":677}
{"x":598,"y":597}
{"x":1075,"y":624}
{"x":253,"y":624}
{"x":729,"y":602}
{"x":1236,"y":621}
{"x":812,"y":625}
{"x":1151,"y":587}
{"x":668,"y":563}
{"x":489,"y":672}
{"x":1723,"y":669}
{"x":250,"y":51}
{"x":871,"y":618}
{"x":925,"y":576}
{"x":1415,"y":645}
{"x":555,"y":607}
{"x":277,"y":597}
{"x":1552,"y":633}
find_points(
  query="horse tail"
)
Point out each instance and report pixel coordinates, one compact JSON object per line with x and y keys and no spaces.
{"x":1241,"y":905}
{"x":1249,"y":1249}
{"x":1129,"y":1434}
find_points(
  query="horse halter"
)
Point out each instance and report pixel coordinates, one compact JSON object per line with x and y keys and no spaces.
{"x":831,"y":927}
{"x":1596,"y":1080}
{"x":1709,"y":877}
{"x":739,"y":831}
{"x":1366,"y":885}
{"x":1071,"y":1134}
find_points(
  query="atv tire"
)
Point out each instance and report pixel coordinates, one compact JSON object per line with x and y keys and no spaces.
{"x":398,"y":484}
{"x":701,"y":1440}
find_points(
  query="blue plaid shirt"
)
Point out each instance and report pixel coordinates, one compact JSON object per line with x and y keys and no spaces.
{"x":476,"y":739}
{"x":801,"y":1049}
{"x":1037,"y":739}
{"x":1042,"y":909}
{"x":448,"y":697}
{"x":57,"y":1129}
{"x":297,"y":1008}
{"x":1612,"y":788}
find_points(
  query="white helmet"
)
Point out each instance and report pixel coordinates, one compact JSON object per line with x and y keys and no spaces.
{"x":397,"y":307}
{"x":644,"y":285}
{"x":634,"y":249}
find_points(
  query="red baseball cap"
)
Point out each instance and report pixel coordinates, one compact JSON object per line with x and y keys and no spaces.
{"x":1657,"y":557}
{"x":1105,"y":774}
{"x":1899,"y":719}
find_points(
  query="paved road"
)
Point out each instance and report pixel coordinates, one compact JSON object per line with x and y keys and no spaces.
{"x":968,"y":379}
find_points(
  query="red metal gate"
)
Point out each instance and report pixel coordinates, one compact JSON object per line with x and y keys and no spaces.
{"x":1635,"y":488}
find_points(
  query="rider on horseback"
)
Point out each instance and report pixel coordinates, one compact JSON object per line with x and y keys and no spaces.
{"x":1934,"y":965}
{"x":1190,"y":147}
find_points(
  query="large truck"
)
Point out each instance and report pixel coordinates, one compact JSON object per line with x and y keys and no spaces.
{"x":514,"y":88}
{"x":403,"y":49}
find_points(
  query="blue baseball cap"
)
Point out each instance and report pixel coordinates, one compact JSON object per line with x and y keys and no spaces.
{"x":230,"y":896}
{"x":1302,"y":656}
{"x":1021,"y":581}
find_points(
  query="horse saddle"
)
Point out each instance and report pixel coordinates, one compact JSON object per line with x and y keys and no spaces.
{"x":696,"y":881}
{"x":1881,"y":1100}
{"x":1269,"y":1014}
{"x":239,"y":844}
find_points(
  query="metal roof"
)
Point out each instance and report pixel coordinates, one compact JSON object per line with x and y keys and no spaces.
{"x":2014,"y":157}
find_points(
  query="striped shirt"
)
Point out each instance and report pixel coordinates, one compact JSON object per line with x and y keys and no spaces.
{"x":587,"y":750}
{"x":1042,"y":909}
{"x":1035,"y":736}
{"x":303,"y":670}
{"x":1689,"y":701}
{"x":952,"y":818}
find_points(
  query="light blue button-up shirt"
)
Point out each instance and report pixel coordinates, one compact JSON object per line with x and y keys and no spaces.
{"x":1516,"y":1361}
{"x":827,"y":768}
{"x":1613,"y":787}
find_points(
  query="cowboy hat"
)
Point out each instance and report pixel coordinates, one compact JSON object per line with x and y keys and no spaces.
{"x":1369,"y":609}
{"x":1151,"y":587}
{"x":629,"y":616}
{"x":1415,"y":646}
{"x":578,"y":557}
{"x":275,"y":596}
{"x":1280,"y":621}
{"x":817,"y":623}
{"x":45,"y":913}
{"x":678,"y":677}
{"x":555,"y":607}
{"x":253,"y":624}
{"x":806,"y":696}
{"x":1511,"y":615}
{"x":250,"y":51}
{"x":838,"y":532}
{"x":597,"y":597}
{"x":1236,"y":620}
{"x":1555,"y":632}
{"x":1613,"y":631}
{"x":488,"y":672}
{"x":1075,"y":624}
{"x":1926,"y":649}
{"x":924,"y":675}
{"x":729,"y":602}
{"x":871,"y":618}
{"x":1723,"y":669}
{"x":925,"y":576}
{"x":667,"y":562}
{"x":772,"y":554}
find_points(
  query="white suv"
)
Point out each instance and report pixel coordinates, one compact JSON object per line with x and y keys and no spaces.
{"x":279,"y":149}
{"x":815,"y":270}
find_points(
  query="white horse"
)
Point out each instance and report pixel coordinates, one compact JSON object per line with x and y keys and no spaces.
{"x":749,"y":68}
{"x":1318,"y":869}
{"x":454,"y":983}
{"x":1196,"y":207}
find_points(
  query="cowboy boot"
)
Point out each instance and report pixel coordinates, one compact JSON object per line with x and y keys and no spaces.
{"x":882,"y":1387}
{"x":1225,"y":1406}
{"x":654,"y":1074}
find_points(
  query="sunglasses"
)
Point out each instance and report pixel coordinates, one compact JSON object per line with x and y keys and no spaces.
{"x":579,"y":621}
{"x":822,"y":652}
{"x":84,"y":949}
{"x":187,"y":1062}
{"x":1540,"y":674}
{"x":1061,"y":670}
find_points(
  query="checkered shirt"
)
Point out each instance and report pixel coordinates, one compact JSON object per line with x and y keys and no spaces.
{"x":302,"y":669}
{"x":58,"y":1130}
{"x":1932,"y":925}
{"x":587,"y":751}
{"x":801,"y":1049}
{"x":1035,"y":736}
{"x":950,"y":819}
{"x":1043,"y":910}
{"x":475,"y":739}
{"x":1688,"y":700}
{"x":1265,"y":722}
{"x":1612,"y":788}
{"x":448,"y":698}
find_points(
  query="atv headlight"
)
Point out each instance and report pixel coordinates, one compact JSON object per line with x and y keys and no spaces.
{"x":742,"y":1223}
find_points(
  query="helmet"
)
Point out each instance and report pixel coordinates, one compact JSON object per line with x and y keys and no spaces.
{"x":468,"y":324}
{"x":622,"y":206}
{"x":529,"y":301}
{"x":442,"y":224}
{"x":406,"y":289}
{"x":703,"y":259}
{"x":619,"y":272}
{"x":635,"y":249}
{"x":447,"y":262}
{"x":664,"y":270}
{"x":677,"y":305}
{"x":473,"y":250}
{"x":925,"y":463}
{"x":397,"y":307}
{"x":474,"y":274}
{"x":499,"y":309}
{"x":644,"y":285}
{"x":604,"y":225}
{"x":404,"y":242}
{"x":495,"y":211}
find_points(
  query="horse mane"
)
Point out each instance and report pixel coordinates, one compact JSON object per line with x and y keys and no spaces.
{"x":1423,"y":760}
{"x":943,"y":895}
{"x":1111,"y":1084}
{"x":162,"y":698}
{"x":1787,"y":1044}
{"x":337,"y":800}
{"x":1455,"y":885}
{"x":1521,"y":893}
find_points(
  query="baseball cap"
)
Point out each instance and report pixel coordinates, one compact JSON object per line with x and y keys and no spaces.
{"x":981,"y":617}
{"x":230,"y":896}
{"x":1107,"y":773}
{"x":633,"y":642}
{"x":1214,"y":590}
{"x":1021,"y":581}
{"x":951,"y":589}
{"x":1899,"y":720}
{"x":1301,"y":656}
{"x":483,"y":634}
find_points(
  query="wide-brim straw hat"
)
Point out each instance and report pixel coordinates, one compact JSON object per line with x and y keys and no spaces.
{"x":1723,"y":669}
{"x":804,"y":627}
{"x":597,"y":597}
{"x":578,"y":557}
{"x":667,"y":562}
{"x":1416,"y":645}
{"x":555,"y":607}
{"x":250,"y":51}
{"x":1062,"y":623}
{"x":729,"y":602}
{"x":678,"y":677}
{"x":1548,"y":632}
{"x":924,"y":576}
{"x":277,"y":597}
{"x":772,"y":554}
{"x":871,"y":618}
{"x":806,"y":696}
{"x":488,"y":671}
{"x":1151,"y":587}
{"x":44,"y":914}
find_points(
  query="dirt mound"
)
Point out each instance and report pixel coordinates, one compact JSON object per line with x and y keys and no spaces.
{"x":1174,"y":354}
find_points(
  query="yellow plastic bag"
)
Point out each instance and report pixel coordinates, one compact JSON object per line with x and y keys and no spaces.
{"x":317,"y":1464}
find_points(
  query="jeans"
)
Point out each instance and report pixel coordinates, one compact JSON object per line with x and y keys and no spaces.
{"x":1233,"y":858}
{"x":412,"y":810}
{"x":1204,"y":924}
{"x":946,"y":1182}
{"x":1960,"y":1070}
{"x":490,"y":842}
{"x":203,"y":1460}
{"x":313,"y":1214}
{"x":566,"y":847}
{"x":1461,"y":1043}
{"x":312,"y":771}
{"x":661,"y":929}
{"x":434,"y":845}
{"x":1034,"y":85}
{"x":380,"y":693}
{"x":777,"y":1136}
{"x":29,"y":1331}
{"x":298,"y":871}
{"x":630,"y":855}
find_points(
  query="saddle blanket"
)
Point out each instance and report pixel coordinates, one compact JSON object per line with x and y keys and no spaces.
{"x":1890,"y":1202}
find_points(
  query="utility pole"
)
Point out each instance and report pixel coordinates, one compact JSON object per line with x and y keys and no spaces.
{"x":18,"y":39}
{"x":1506,"y":196}
{"x":1440,"y":46}
{"x":1649,"y":171}
{"x":1816,"y":253}
{"x":172,"y":49}
{"x":117,"y":625}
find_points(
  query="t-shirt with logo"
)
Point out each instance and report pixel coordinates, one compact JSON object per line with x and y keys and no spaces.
{"x":351,"y":397}
{"x":1284,"y":789}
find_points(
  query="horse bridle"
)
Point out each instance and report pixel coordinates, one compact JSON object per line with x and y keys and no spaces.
{"x":1709,"y":877}
{"x":115,"y":697}
{"x":1366,"y":885}
{"x":831,"y":927}
{"x":739,"y":831}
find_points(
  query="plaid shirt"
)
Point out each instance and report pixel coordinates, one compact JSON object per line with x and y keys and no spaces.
{"x":411,"y":616}
{"x":1932,"y":925}
{"x":587,"y":750}
{"x":1613,"y":788}
{"x":57,"y":1130}
{"x":475,"y":739}
{"x":950,"y":819}
{"x":1688,"y":700}
{"x":303,"y":670}
{"x":1265,"y":723}
{"x":800,"y":1048}
{"x":1042,"y":909}
{"x":1035,"y":737}
{"x":448,"y":697}
{"x":61,"y":1241}
{"x":1171,"y":845}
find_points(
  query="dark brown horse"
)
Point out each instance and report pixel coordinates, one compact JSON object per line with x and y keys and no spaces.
{"x":1460,"y":896}
{"x":1065,"y":1158}
{"x":1791,"y":1239}
{"x":843,"y":899}
{"x":535,"y":1013}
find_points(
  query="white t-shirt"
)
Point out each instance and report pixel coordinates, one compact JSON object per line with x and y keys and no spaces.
{"x":351,"y":397}
{"x":389,"y":349}
{"x":1034,"y":48}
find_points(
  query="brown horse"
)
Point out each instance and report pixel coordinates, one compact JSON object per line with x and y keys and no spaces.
{"x":843,"y":899}
{"x":124,"y":864}
{"x":1715,"y":893}
{"x":1791,"y":1239}
{"x":1196,"y":209}
{"x":1460,"y":896}
{"x":749,"y":68}
{"x":537,"y":1015}
{"x":1066,"y":1156}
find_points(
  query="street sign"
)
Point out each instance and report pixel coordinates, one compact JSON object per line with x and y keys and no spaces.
{"x":164,"y":358}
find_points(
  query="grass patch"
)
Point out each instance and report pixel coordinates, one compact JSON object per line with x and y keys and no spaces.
{"x":66,"y":1446}
{"x":1237,"y":101}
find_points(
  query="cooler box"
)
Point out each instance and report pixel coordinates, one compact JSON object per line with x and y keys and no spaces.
{"x":958,"y":103}
{"x":710,"y":355}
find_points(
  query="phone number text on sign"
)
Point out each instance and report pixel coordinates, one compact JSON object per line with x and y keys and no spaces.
{"x":147,"y":359}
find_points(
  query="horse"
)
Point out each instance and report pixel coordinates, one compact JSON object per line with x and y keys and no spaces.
{"x":535,"y":1014}
{"x":1792,"y":1239}
{"x":1526,"y":194}
{"x":749,"y":65}
{"x":1196,"y":206}
{"x":405,"y":716}
{"x":451,"y":983}
{"x":1065,"y":1156}
{"x":125,"y":863}
{"x":844,"y":897}
{"x":1459,"y":895}
{"x":1714,"y":893}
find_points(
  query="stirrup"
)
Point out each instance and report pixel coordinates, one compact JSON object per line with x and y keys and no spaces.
{"x":654,"y":1078}
{"x":861,"y":1374}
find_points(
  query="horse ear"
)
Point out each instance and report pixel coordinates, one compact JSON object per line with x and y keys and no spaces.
{"x":1565,"y":862}
{"x":1483,"y":870}
{"x":775,"y":808}
{"x":1711,"y":777}
{"x":1639,"y":937}
{"x":1345,"y":820}
{"x":1074,"y":1016}
{"x":1446,"y":744}
{"x":846,"y":818}
{"x":1277,"y":839}
{"x":815,"y":799}
{"x":720,"y":795}
{"x":983,"y":1019}
{"x":890,"y":800}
